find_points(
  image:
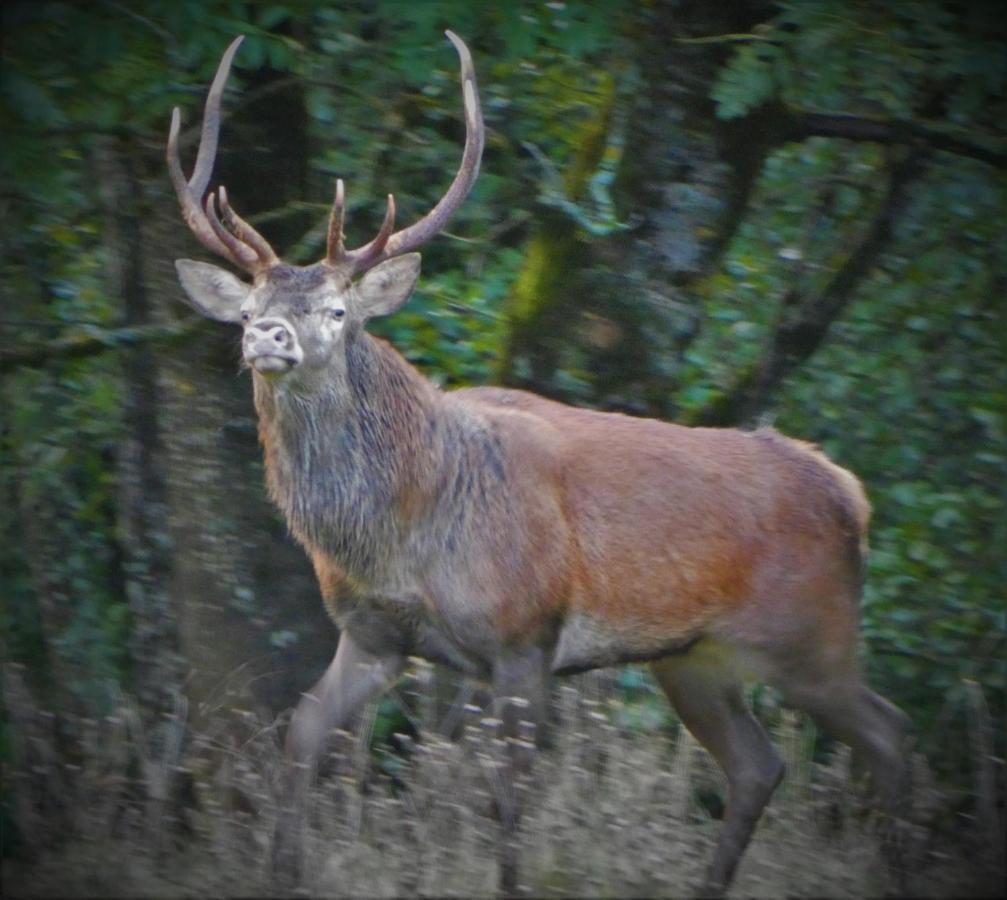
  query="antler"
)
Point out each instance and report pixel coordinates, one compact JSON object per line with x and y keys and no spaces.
{"x":239,"y":242}
{"x":386,"y":244}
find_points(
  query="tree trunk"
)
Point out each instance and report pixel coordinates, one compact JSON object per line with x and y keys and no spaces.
{"x":252,"y":629}
{"x":145,"y":546}
{"x":683,"y":182}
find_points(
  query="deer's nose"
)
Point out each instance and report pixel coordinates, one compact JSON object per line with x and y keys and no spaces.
{"x":271,"y":345}
{"x":270,"y":331}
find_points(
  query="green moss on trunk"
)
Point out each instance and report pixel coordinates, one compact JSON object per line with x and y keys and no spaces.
{"x":548,"y":289}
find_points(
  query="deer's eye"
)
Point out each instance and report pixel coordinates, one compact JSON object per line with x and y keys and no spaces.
{"x":245,"y":316}
{"x":337,"y":313}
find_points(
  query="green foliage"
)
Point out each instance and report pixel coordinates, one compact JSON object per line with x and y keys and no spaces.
{"x":57,"y":470}
{"x":451,"y":328}
{"x":61,"y":429}
{"x":874,"y":59}
{"x":933,"y":613}
{"x":753,"y":77}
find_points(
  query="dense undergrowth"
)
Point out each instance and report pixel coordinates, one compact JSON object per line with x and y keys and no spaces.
{"x":106,"y":808}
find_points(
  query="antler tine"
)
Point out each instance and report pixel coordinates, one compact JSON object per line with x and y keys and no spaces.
{"x":335,"y":249}
{"x":365,"y":257}
{"x":475,"y":135}
{"x":247,"y":258}
{"x":192,"y":211}
{"x":247,"y":249}
{"x":246,"y":233}
{"x":386,"y":244}
{"x":206,"y":155}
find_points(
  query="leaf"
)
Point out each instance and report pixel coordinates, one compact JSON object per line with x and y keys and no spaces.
{"x":747,"y":81}
{"x":29,"y":99}
{"x":271,"y":16}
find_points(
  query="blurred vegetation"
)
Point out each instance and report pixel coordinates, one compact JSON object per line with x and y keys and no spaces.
{"x":788,"y":213}
{"x":612,"y":813}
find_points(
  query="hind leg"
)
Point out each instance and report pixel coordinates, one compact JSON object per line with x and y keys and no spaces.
{"x":708,"y":698}
{"x":877,"y":732}
{"x":845,"y":708}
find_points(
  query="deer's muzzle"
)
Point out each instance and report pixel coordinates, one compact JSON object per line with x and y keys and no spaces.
{"x":270,"y":346}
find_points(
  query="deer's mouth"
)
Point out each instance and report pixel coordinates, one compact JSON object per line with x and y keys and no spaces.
{"x":272,"y":363}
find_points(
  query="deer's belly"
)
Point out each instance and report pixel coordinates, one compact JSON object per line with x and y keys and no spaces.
{"x":406,"y":625}
{"x":586,"y":642}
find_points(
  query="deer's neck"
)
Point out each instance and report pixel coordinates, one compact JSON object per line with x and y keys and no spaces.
{"x":352,"y":464}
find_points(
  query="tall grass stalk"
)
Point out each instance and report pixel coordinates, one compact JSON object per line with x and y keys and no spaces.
{"x":113,"y":810}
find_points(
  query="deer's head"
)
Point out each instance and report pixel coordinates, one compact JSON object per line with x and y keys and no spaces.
{"x":296,"y":318}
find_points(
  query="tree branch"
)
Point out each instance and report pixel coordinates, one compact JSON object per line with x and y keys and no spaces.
{"x":800,"y":125}
{"x":804,"y":322}
{"x":93,"y":342}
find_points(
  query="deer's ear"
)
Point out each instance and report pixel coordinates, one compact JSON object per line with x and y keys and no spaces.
{"x":388,"y":285}
{"x":212,"y":291}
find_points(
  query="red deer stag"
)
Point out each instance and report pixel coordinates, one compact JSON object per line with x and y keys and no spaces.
{"x":511,"y":537}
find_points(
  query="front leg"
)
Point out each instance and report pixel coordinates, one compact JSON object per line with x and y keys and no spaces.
{"x":354,"y":677}
{"x":520,"y":685}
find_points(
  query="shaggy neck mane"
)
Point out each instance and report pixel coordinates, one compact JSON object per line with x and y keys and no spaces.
{"x":347,"y":461}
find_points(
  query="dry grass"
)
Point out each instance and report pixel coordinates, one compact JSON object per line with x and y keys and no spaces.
{"x":609,"y":814}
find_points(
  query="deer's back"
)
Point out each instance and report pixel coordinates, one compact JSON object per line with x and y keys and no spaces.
{"x":676,"y":533}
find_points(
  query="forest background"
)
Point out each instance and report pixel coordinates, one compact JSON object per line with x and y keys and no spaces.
{"x":786,"y":213}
